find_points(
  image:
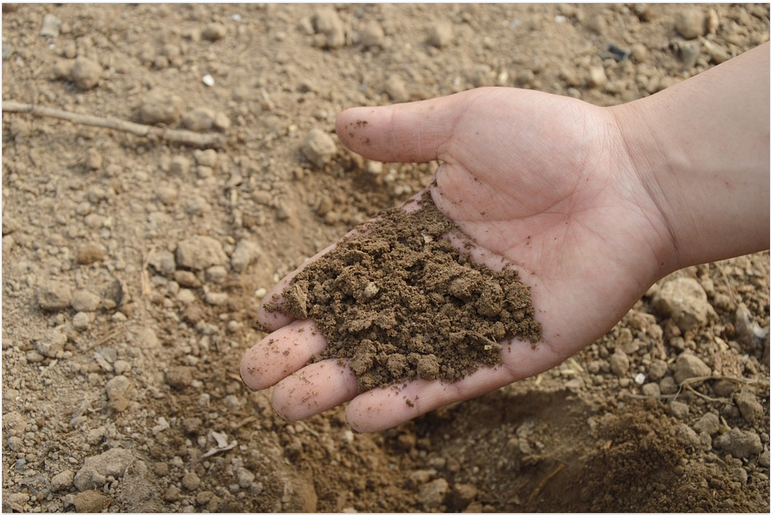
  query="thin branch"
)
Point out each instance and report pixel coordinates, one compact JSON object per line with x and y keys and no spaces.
{"x":183,"y":137}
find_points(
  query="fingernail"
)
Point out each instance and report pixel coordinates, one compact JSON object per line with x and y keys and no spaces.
{"x":241,"y":375}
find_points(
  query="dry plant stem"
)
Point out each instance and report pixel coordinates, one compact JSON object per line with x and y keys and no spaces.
{"x":544,"y":481}
{"x":183,"y":137}
{"x":687,"y":384}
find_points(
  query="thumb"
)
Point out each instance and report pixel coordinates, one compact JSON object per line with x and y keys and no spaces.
{"x":403,"y":133}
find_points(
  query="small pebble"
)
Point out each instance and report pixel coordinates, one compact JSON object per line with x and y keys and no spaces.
{"x":749,"y":407}
{"x":214,"y":32}
{"x":208,"y":158}
{"x":690,"y":23}
{"x":51,"y":26}
{"x":440,"y":35}
{"x":179,"y":377}
{"x":639,"y":52}
{"x":180,"y":165}
{"x":245,"y":253}
{"x":200,"y":253}
{"x":159,"y":106}
{"x":186,"y":296}
{"x":657,"y":370}
{"x":85,"y":73}
{"x":93,"y":159}
{"x":396,"y":89}
{"x":619,"y":363}
{"x":199,"y":120}
{"x":62,"y":480}
{"x":688,"y":366}
{"x":216,"y":298}
{"x":328,"y":23}
{"x":651,"y":390}
{"x":88,"y":254}
{"x":191,"y":481}
{"x":738,"y":443}
{"x":679,"y":409}
{"x":54,"y":296}
{"x":216,"y":274}
{"x":85,"y":301}
{"x":709,"y":423}
{"x":91,"y":501}
{"x":51,"y":343}
{"x":187,"y":279}
{"x":318,"y":147}
{"x":597,"y":77}
{"x":433,"y":494}
{"x":81,"y":321}
{"x":372,"y":34}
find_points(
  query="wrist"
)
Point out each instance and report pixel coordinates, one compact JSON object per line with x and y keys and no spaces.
{"x":701,"y":151}
{"x":652,"y":170}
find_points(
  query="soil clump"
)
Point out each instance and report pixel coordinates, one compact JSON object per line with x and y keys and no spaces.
{"x":401,"y":302}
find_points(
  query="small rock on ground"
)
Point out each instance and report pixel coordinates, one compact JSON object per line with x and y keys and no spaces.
{"x":54,"y":296}
{"x":200,"y":252}
{"x":691,"y":23}
{"x":160,"y":106}
{"x":96,"y":468}
{"x":319,"y":147}
{"x":85,"y":73}
{"x":685,"y":301}
{"x":440,"y":35}
{"x":738,"y":443}
{"x":434,"y":493}
{"x":91,"y":501}
{"x":688,"y":366}
{"x":245,"y":253}
{"x":328,"y":23}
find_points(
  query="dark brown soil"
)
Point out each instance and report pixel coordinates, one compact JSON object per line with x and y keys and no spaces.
{"x":400,"y":301}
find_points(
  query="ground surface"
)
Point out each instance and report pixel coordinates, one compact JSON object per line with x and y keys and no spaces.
{"x":132,"y":268}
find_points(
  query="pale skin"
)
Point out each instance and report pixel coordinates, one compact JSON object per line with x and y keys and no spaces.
{"x":592,"y":206}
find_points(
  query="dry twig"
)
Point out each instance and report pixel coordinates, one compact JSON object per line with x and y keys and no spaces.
{"x":687,"y":385}
{"x":183,"y":137}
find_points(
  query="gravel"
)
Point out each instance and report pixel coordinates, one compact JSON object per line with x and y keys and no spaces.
{"x":327,"y":23}
{"x":739,"y":443}
{"x":690,"y":365}
{"x":96,"y":468}
{"x":85,"y":73}
{"x":684,"y":300}
{"x":160,"y":106}
{"x":690,"y":23}
{"x":54,"y":296}
{"x":319,"y":147}
{"x":200,"y":252}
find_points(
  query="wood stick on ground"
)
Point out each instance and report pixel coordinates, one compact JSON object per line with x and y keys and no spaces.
{"x":183,"y":137}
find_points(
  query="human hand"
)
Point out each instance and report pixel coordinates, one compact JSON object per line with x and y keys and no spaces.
{"x":545,"y":182}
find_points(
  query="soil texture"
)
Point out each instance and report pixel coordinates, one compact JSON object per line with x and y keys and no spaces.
{"x":133,"y":266}
{"x":400,"y":301}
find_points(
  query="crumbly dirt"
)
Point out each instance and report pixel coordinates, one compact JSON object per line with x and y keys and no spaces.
{"x":401,"y":302}
{"x":133,"y":268}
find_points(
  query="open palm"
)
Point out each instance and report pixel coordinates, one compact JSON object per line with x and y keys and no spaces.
{"x":544,"y":182}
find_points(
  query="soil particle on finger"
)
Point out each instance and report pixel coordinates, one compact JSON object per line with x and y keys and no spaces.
{"x":401,"y":302}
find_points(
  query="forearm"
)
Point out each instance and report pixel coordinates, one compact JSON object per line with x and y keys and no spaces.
{"x":702,"y":149}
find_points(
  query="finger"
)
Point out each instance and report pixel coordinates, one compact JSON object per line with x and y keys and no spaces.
{"x":384,"y":408}
{"x":412,"y":132}
{"x":281,"y":353}
{"x":316,"y":388}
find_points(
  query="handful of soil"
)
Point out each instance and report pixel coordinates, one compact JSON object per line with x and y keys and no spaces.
{"x":401,"y":302}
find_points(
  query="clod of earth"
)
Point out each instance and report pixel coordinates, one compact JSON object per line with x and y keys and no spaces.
{"x":399,"y":301}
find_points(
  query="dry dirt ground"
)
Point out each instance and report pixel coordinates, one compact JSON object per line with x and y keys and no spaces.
{"x":132,"y":268}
